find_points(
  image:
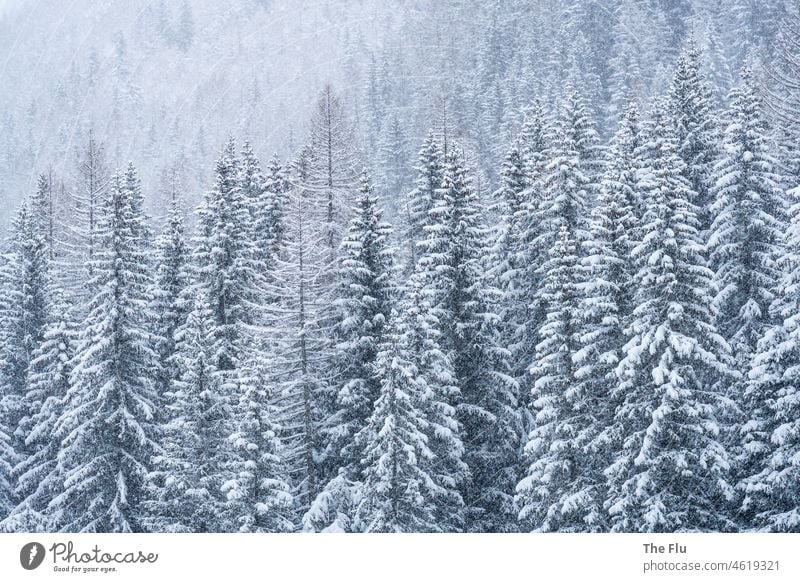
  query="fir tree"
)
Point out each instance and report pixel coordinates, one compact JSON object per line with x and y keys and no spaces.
{"x":671,"y":471}
{"x":749,"y":217}
{"x":106,"y":427}
{"x":439,"y":394}
{"x":519,"y":276}
{"x":769,"y":483}
{"x":270,"y":226}
{"x":259,"y":498}
{"x":418,"y":203}
{"x":23,"y":313}
{"x":185,"y":486}
{"x":224,"y":261}
{"x":396,"y":494}
{"x":690,"y":103}
{"x":48,"y":382}
{"x":450,"y":273}
{"x":169,"y":301}
{"x":7,"y":461}
{"x":363,"y":305}
{"x":545,"y":496}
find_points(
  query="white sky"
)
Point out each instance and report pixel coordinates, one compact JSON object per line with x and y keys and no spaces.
{"x":5,"y":4}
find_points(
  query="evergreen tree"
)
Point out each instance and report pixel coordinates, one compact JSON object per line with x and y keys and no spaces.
{"x":769,"y":483}
{"x":259,"y":498}
{"x":397,"y":490}
{"x":519,"y":276}
{"x":269,"y":224}
{"x":23,"y":313}
{"x":48,"y":382}
{"x":185,"y":486}
{"x":748,"y":218}
{"x":691,"y":104}
{"x":170,"y":304}
{"x":363,"y":305}
{"x":546,"y":496}
{"x":418,"y":203}
{"x":224,"y":261}
{"x":670,"y":471}
{"x":7,"y":461}
{"x":439,"y":394}
{"x":106,"y":428}
{"x":450,"y":273}
{"x":393,"y":161}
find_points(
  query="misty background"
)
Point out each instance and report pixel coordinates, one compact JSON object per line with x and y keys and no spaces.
{"x":163,"y":83}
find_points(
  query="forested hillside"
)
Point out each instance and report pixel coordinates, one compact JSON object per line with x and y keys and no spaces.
{"x":431,"y":267}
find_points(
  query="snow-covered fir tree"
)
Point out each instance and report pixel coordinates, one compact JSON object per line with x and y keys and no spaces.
{"x":518,"y":275}
{"x":769,"y":479}
{"x":48,"y":382}
{"x":419,"y":201}
{"x":748,"y":219}
{"x":449,"y":269}
{"x":7,"y":461}
{"x":690,"y":103}
{"x":439,"y":394}
{"x":259,"y":499}
{"x":671,"y":470}
{"x":363,"y":303}
{"x":185,"y":486}
{"x":397,"y":492}
{"x":106,"y":427}
{"x":269,"y":222}
{"x":170,"y":303}
{"x":23,"y":314}
{"x":546,"y":496}
{"x":224,"y":260}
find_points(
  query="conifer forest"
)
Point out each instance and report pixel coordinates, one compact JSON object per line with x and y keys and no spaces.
{"x":413,"y":266}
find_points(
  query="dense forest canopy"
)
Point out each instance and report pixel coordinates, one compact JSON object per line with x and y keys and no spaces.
{"x":428,"y":266}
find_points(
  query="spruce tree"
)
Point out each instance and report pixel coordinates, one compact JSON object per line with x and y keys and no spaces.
{"x":396,"y":494}
{"x":259,"y":499}
{"x":7,"y":461}
{"x":270,"y":228}
{"x":419,"y":201}
{"x":545,"y":496}
{"x":520,"y":277}
{"x":185,"y":485}
{"x":170,"y":303}
{"x":769,"y":483}
{"x":439,"y":393}
{"x":450,"y":272}
{"x":363,"y":304}
{"x":23,"y":314}
{"x":106,"y":427}
{"x":748,"y":219}
{"x":224,"y":261}
{"x":671,"y":470}
{"x":692,"y":116}
{"x":48,"y":382}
